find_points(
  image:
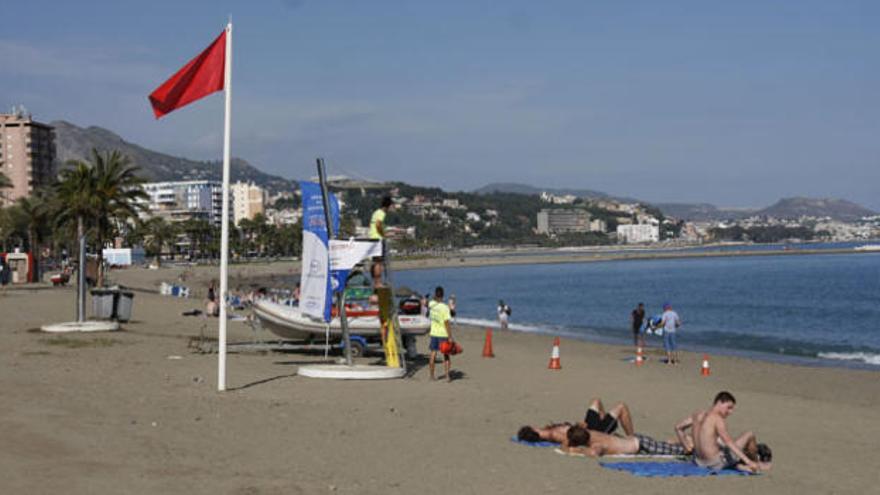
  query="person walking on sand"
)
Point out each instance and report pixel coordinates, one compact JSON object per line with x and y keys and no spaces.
{"x":637,"y":318}
{"x":441,"y":331}
{"x":670,"y":322}
{"x":377,"y":233}
{"x":503,"y":314}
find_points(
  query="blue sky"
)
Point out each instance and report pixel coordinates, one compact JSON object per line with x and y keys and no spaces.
{"x":733,"y":103}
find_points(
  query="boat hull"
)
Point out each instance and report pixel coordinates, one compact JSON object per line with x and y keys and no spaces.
{"x":288,"y":322}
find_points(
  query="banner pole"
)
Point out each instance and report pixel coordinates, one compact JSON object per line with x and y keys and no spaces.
{"x":340,"y":296}
{"x":224,"y":230}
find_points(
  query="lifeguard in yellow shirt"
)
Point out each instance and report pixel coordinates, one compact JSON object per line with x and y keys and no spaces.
{"x":377,"y":232}
{"x":441,"y":331}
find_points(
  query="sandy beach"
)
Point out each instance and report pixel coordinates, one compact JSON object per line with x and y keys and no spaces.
{"x":137,"y":411}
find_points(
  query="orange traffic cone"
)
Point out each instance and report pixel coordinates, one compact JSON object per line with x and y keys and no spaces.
{"x":704,"y":370}
{"x":487,"y":347}
{"x":554,"y":356}
{"x":640,"y":358}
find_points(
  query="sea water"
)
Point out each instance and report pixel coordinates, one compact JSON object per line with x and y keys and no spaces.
{"x":815,"y":309}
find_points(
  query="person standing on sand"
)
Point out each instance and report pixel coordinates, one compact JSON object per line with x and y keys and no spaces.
{"x":377,"y":233}
{"x":670,"y":322}
{"x":503,"y":314}
{"x":452,"y":306}
{"x":212,"y":308}
{"x":441,"y":331}
{"x":637,"y":318}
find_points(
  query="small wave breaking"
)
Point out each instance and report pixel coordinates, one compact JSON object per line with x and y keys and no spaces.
{"x":864,"y":357}
{"x":479,"y":322}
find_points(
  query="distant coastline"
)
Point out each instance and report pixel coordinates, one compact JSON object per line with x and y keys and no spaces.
{"x":566,"y":255}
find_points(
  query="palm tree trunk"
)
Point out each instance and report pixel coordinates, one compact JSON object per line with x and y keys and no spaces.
{"x":35,"y":253}
{"x":81,"y":271}
{"x":158,"y":251}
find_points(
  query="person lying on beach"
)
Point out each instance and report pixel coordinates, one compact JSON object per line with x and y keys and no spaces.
{"x":579,"y":440}
{"x":555,"y":432}
{"x":596,"y":419}
{"x":712,"y":445}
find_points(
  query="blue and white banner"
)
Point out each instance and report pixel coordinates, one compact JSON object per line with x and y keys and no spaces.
{"x":315,"y":287}
{"x":344,"y":255}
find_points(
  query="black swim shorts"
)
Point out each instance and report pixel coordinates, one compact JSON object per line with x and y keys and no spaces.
{"x":606,"y":425}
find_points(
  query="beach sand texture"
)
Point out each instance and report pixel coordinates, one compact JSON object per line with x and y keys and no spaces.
{"x":112,"y":413}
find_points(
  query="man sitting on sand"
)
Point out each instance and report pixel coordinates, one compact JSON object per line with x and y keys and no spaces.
{"x":579,"y":440}
{"x":713,"y":446}
{"x":595,"y":419}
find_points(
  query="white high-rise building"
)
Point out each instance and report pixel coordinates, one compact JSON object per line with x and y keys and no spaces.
{"x":183,"y":200}
{"x":248,"y":200}
{"x":639,"y":233}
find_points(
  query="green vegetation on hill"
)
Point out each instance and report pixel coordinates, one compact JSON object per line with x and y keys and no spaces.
{"x":505,"y":218}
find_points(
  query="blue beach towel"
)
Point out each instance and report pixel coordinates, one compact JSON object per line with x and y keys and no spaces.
{"x":514,"y":439}
{"x":667,"y":469}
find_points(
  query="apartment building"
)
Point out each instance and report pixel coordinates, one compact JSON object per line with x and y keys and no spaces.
{"x":27,"y":154}
{"x":248,"y":200}
{"x":178,"y":201}
{"x":562,"y":220}
{"x":639,"y":233}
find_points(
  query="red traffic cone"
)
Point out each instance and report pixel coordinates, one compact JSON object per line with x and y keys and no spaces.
{"x":704,"y":370}
{"x":554,"y":356}
{"x":487,"y":347}
{"x":640,"y":357}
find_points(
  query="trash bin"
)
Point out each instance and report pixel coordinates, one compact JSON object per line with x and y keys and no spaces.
{"x":102,"y":303}
{"x":124,"y":302}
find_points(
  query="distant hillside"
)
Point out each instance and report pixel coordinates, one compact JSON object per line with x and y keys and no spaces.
{"x":837,"y":209}
{"x":515,"y":188}
{"x":75,"y":143}
{"x":788,"y":208}
{"x":702,"y":211}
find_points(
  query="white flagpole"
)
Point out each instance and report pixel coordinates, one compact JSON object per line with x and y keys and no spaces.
{"x":224,"y":231}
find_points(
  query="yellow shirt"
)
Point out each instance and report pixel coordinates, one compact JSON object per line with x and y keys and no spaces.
{"x":439,"y":316}
{"x":377,"y":218}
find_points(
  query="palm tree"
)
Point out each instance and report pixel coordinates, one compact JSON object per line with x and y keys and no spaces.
{"x":76,"y":196}
{"x":157,"y":232}
{"x":100,"y":194}
{"x":197,"y":232}
{"x":117,"y":187}
{"x":35,"y":213}
{"x":96,"y":194}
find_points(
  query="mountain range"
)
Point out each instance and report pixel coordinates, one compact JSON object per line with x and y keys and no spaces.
{"x":75,"y":143}
{"x":515,"y":188}
{"x":791,"y":208}
{"x":797,"y":207}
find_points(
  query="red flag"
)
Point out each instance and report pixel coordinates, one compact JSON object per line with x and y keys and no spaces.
{"x":202,"y":76}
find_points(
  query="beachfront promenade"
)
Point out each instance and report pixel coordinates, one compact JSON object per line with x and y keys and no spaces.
{"x":137,"y":412}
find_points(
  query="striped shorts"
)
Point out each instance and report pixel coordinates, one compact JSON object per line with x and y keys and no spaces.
{"x":649,"y":446}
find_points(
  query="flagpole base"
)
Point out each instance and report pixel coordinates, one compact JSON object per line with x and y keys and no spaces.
{"x":354,"y":372}
{"x":81,"y":326}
